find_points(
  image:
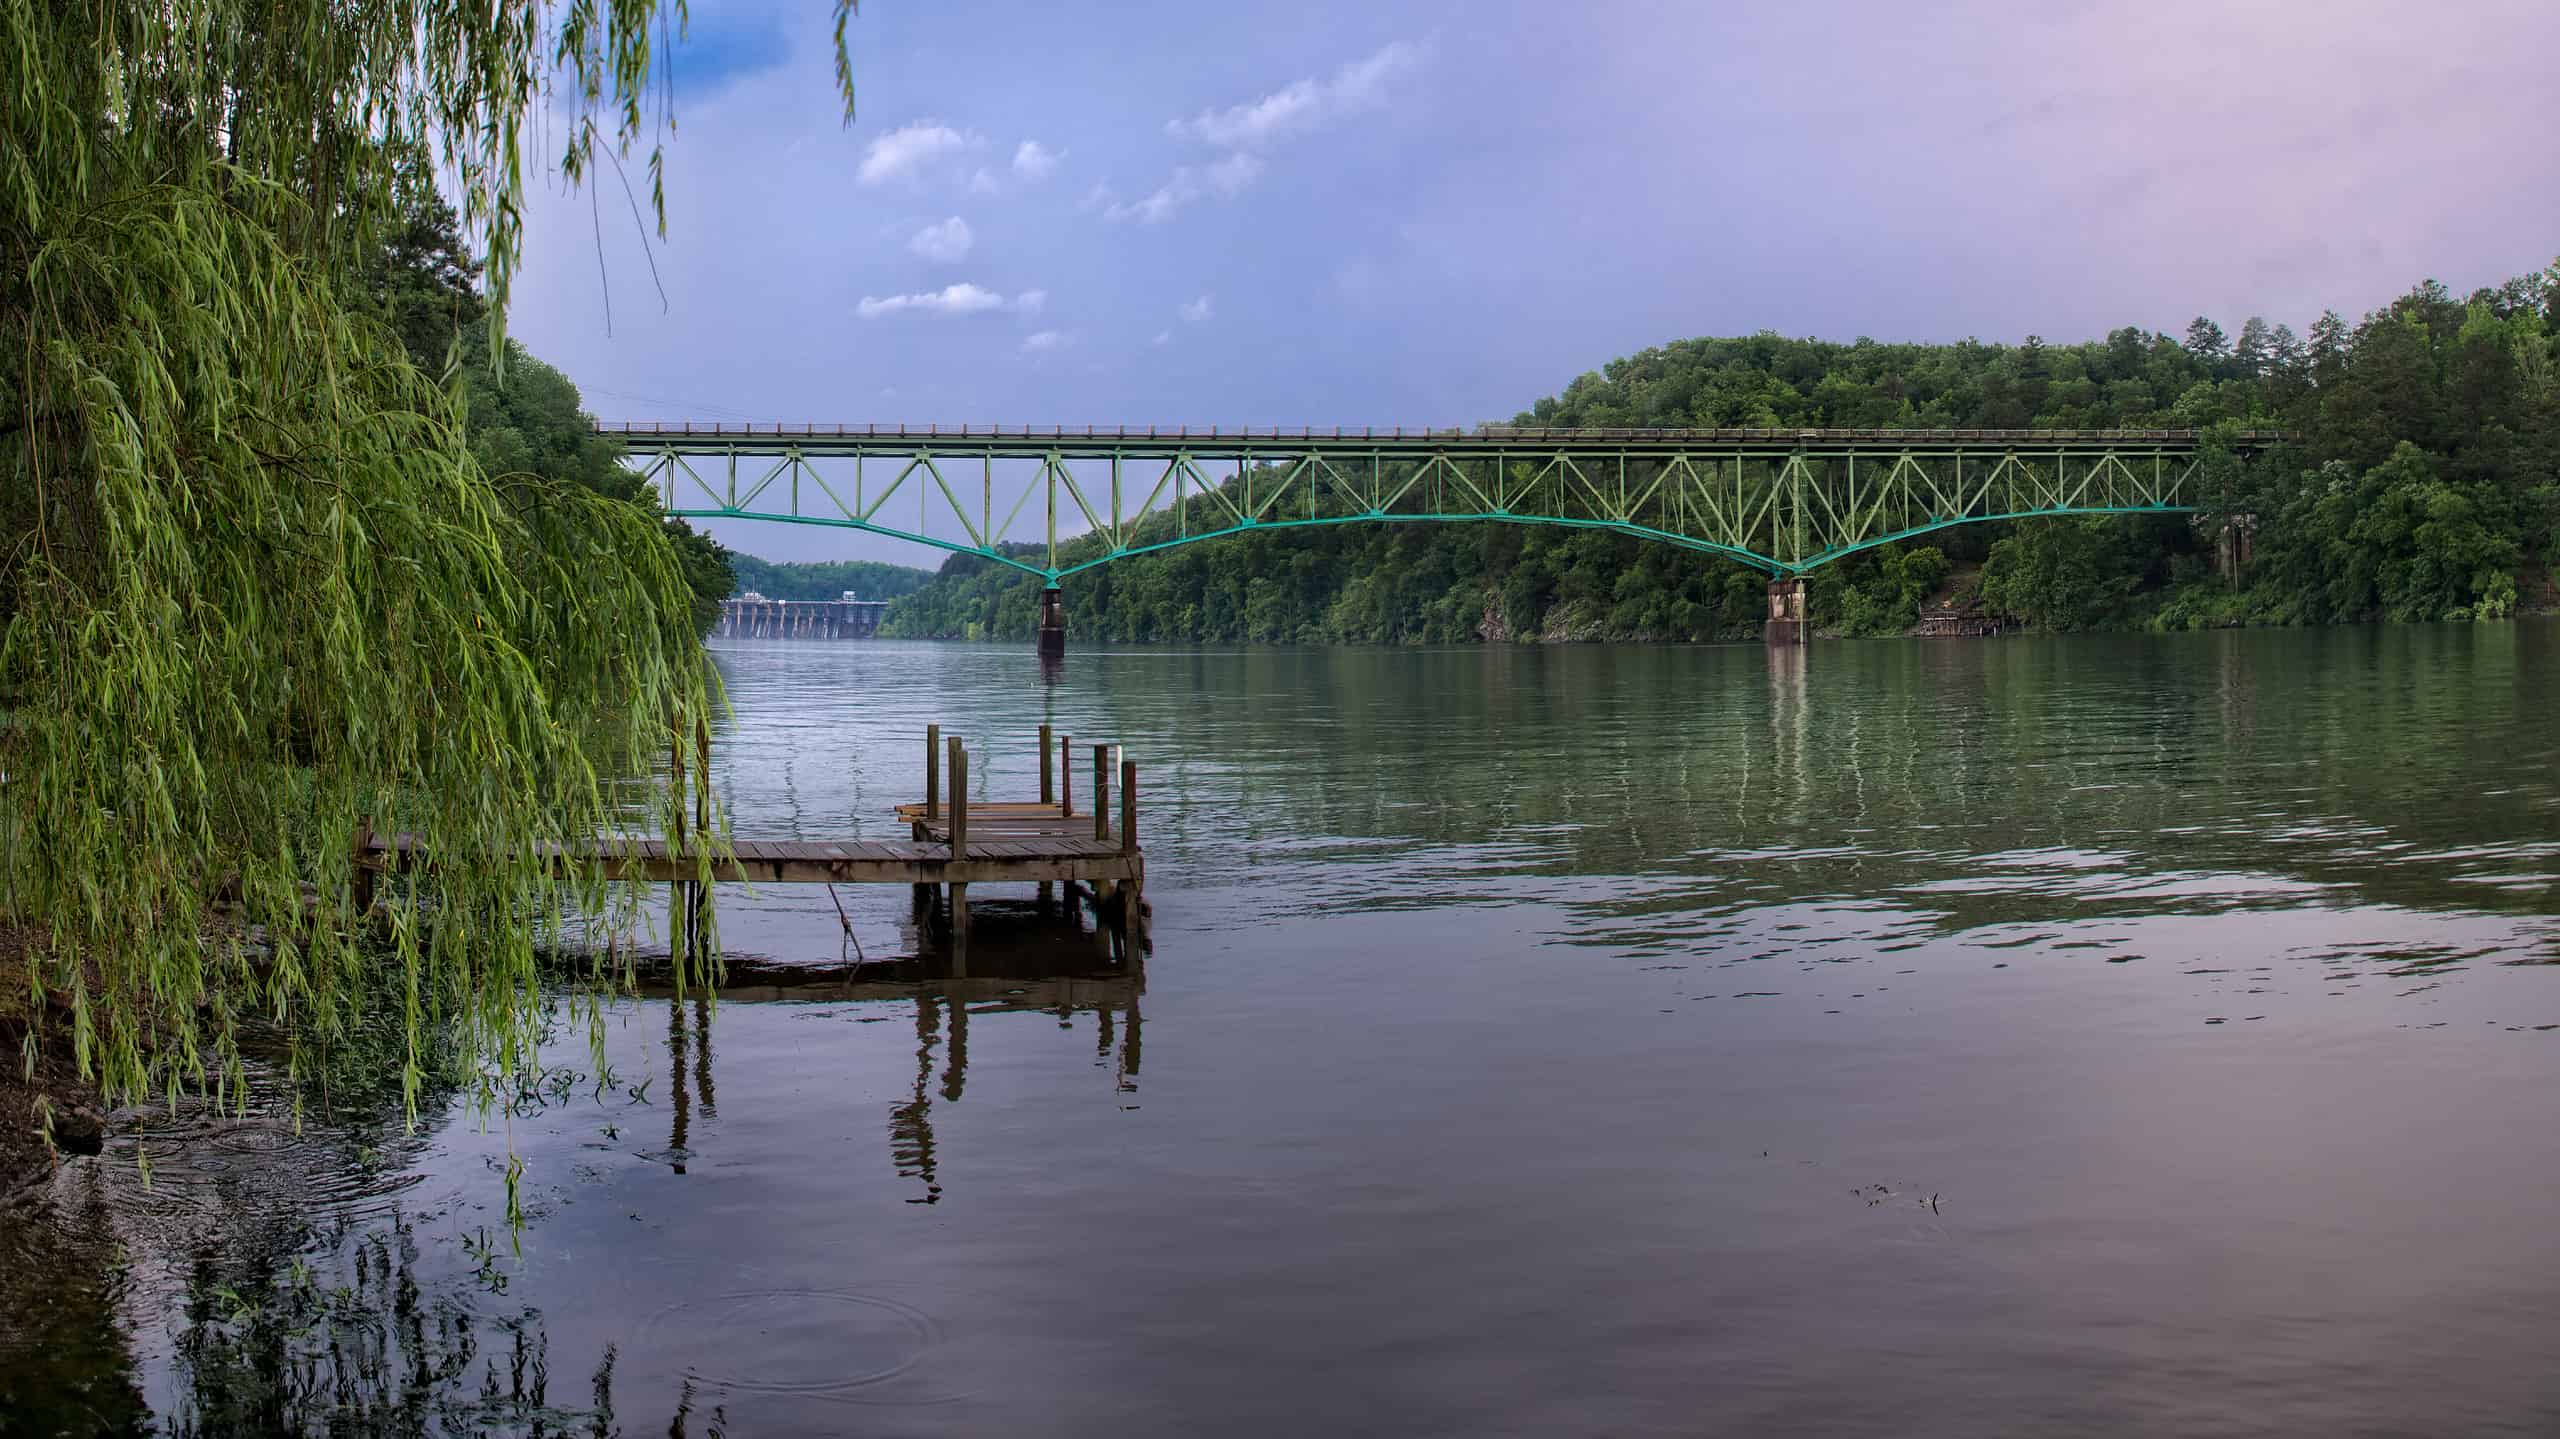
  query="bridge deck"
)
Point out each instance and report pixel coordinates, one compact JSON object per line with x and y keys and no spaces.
{"x":1521,"y":439}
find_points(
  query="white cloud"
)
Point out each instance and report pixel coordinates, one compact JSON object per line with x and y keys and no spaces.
{"x":947,"y":242}
{"x":1158,"y":207}
{"x":1033,"y":344}
{"x":1197,"y":310}
{"x":1164,"y":337}
{"x":1363,"y":82}
{"x":1244,"y":130}
{"x":903,"y":151}
{"x":1034,"y":161}
{"x":983,"y":182}
{"x":1100,"y":197}
{"x":1305,"y":105}
{"x":1227,"y":177}
{"x":1234,"y":172}
{"x":1256,"y":122}
{"x":959,"y":299}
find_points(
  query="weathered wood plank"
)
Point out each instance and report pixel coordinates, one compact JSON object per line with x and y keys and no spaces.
{"x":906,"y":863}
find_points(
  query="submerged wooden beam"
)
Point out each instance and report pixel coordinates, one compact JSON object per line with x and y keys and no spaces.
{"x":991,"y":860}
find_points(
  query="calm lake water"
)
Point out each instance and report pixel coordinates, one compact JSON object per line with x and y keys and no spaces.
{"x":2122,"y":1035}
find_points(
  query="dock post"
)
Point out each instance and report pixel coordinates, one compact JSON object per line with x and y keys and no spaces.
{"x":1048,"y":795}
{"x":1129,"y":888}
{"x":360,"y":876}
{"x":1101,"y":820}
{"x":959,"y":841}
{"x":1066,"y":776}
{"x":932,"y":783}
{"x":679,"y":917}
{"x":1102,"y":791}
{"x":699,"y":942}
{"x":1128,"y":807}
{"x":1053,"y":624}
{"x":932,"y":772}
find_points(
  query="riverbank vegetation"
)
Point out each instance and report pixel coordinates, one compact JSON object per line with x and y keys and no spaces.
{"x":268,"y":581}
{"x":2424,"y":483}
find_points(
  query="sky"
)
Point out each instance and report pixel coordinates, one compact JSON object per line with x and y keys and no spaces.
{"x":1435,"y":213}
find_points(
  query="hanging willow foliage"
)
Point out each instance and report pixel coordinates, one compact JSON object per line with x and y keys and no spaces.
{"x":254,"y":593}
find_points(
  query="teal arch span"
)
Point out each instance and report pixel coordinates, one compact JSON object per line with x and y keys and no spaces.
{"x":1786,"y":502}
{"x":1776,"y":569}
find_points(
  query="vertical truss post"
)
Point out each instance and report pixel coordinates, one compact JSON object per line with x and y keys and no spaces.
{"x":1049,"y":482}
{"x":1119,"y":541}
{"x":1797,"y":554}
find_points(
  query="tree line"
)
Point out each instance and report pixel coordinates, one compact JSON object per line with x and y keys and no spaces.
{"x":825,"y":580}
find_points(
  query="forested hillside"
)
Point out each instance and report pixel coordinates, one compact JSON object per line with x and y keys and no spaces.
{"x":825,"y":581}
{"x":523,"y":417}
{"x":2422,"y":482}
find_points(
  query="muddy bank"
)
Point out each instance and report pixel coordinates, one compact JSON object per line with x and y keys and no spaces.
{"x":53,"y":1087}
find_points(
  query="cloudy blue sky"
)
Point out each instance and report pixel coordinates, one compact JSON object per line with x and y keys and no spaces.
{"x":1435,"y":212}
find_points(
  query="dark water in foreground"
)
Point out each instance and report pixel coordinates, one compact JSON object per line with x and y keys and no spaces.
{"x":2115,"y":1035}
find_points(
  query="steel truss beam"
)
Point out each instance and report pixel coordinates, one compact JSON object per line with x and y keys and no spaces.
{"x":1783,"y":501}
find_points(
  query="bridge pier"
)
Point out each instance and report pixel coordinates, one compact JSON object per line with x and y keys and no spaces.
{"x":1053,"y":624}
{"x":1787,"y":624}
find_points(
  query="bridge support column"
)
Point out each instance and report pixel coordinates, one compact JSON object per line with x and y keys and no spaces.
{"x":1787,"y":625}
{"x":1053,"y":623}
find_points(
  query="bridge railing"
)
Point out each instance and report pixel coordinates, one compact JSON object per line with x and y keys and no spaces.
{"x":1522,"y":434}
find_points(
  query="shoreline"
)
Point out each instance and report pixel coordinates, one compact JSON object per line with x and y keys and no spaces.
{"x":79,"y":1124}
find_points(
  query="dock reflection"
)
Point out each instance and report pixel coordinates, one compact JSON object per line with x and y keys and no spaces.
{"x":1017,"y":961}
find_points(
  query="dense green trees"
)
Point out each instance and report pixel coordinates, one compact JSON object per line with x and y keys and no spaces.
{"x":522,"y":417}
{"x":2423,"y":479}
{"x":258,"y":588}
{"x":870,"y":579}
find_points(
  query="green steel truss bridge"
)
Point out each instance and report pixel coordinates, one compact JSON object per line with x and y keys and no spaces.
{"x":1056,"y":501}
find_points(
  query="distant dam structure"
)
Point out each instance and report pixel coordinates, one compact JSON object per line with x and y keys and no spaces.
{"x":752,"y":616}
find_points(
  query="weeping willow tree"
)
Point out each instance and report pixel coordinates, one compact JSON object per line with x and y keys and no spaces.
{"x":255,"y":595}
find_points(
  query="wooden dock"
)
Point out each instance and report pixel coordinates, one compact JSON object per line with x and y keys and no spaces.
{"x":952,"y":845}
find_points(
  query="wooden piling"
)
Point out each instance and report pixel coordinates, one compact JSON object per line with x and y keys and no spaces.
{"x":932,"y":772}
{"x":959,"y":799}
{"x":1066,"y":776}
{"x":696,"y":942}
{"x":360,"y":876}
{"x":1102,"y":791}
{"x":1128,"y":806}
{"x":1131,"y":912}
{"x":959,"y":840}
{"x":1047,"y":789}
{"x":678,"y":925}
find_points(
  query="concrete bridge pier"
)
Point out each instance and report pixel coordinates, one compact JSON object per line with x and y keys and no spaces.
{"x":1787,"y":625}
{"x":1053,"y":624}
